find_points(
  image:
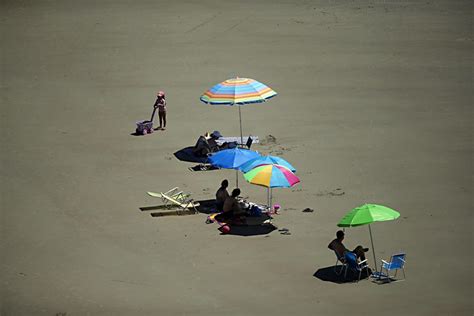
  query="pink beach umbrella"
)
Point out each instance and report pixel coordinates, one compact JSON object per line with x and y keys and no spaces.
{"x":271,"y":176}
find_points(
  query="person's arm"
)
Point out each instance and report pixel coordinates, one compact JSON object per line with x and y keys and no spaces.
{"x":331,"y":245}
{"x":236,"y":207}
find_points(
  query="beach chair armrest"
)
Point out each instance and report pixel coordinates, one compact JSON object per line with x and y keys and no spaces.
{"x":385,"y":261}
{"x":171,"y":192}
{"x":363,"y":261}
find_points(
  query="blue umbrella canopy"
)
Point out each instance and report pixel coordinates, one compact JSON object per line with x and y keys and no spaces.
{"x":265,"y":160}
{"x":232,"y":158}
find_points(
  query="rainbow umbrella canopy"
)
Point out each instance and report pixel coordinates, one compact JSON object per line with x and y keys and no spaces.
{"x":271,"y":176}
{"x":266,"y":160}
{"x":238,"y":91}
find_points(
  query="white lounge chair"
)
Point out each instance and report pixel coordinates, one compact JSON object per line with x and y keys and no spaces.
{"x":175,"y":197}
{"x":184,"y":205}
{"x":174,"y":193}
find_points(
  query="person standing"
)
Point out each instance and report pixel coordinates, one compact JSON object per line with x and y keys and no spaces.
{"x":160,"y":104}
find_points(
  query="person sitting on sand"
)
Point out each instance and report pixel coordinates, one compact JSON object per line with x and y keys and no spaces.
{"x":340,"y":249}
{"x":222,"y":195}
{"x":205,"y":145}
{"x":231,"y":209}
{"x":202,"y":147}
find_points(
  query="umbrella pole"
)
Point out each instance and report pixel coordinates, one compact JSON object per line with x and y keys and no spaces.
{"x":373,"y":250}
{"x":240,"y":121}
{"x":236,"y":178}
{"x":271,"y":198}
{"x":268,"y":198}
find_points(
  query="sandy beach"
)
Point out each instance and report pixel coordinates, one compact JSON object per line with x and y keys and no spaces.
{"x":374,"y":105}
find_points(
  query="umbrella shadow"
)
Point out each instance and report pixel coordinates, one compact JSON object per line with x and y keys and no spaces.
{"x":255,"y":226}
{"x":187,"y":154}
{"x":328,"y":274}
{"x":250,"y":230}
{"x":207,"y":206}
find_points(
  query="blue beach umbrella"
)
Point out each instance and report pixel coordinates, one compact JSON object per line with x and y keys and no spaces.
{"x":232,"y":158}
{"x":265,"y":160}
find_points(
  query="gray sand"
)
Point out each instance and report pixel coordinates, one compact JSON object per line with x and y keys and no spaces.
{"x":374,"y":100}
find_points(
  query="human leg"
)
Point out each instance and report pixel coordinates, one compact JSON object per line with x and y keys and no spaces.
{"x":160,"y":116}
{"x":359,"y":251}
{"x":164,"y":119}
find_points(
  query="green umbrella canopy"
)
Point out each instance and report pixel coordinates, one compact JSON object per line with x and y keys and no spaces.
{"x":366,"y":214}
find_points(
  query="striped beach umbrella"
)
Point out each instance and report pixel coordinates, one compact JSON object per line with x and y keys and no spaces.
{"x":266,"y":160}
{"x":271,"y":176}
{"x":238,"y":91}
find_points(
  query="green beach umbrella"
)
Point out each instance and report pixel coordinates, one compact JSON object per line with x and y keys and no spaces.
{"x":367,"y":214}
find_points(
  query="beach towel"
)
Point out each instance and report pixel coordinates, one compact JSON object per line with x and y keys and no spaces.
{"x":230,"y":139}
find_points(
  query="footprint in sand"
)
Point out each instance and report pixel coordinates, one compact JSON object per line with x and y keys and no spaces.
{"x":268,"y":140}
{"x":335,"y":192}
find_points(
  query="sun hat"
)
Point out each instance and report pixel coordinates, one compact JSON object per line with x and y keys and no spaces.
{"x":162,"y":93}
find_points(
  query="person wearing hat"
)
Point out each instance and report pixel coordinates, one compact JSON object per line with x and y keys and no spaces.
{"x":160,"y":103}
{"x":337,"y":246}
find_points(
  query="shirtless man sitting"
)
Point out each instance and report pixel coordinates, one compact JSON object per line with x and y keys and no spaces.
{"x":231,"y":209}
{"x":340,"y":249}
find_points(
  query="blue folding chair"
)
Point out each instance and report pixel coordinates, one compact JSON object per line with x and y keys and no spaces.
{"x":396,"y":263}
{"x":354,"y":265}
{"x":342,"y":261}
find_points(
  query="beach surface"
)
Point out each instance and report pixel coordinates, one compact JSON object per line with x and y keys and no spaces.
{"x":374,"y":105}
